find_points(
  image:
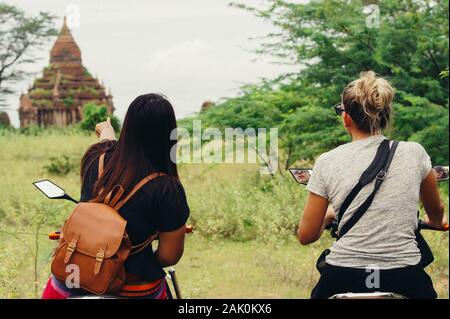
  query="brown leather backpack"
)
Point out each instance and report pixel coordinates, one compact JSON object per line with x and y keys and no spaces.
{"x":94,"y":239}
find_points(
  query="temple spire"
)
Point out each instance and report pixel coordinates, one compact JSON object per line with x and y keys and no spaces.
{"x":65,"y":29}
{"x":65,"y":51}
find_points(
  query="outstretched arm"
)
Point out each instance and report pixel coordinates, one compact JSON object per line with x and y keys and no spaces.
{"x":316,"y":215}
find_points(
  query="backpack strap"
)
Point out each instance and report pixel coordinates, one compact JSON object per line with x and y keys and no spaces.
{"x":138,"y":248}
{"x":112,"y":202}
{"x":366,"y":204}
{"x":101,"y":162}
{"x":116,"y":204}
{"x":136,"y":188}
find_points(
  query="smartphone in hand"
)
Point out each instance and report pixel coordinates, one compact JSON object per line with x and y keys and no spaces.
{"x":301,"y":175}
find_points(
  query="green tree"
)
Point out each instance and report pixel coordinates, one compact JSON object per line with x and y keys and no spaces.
{"x":93,"y":114}
{"x":333,"y":42}
{"x":255,"y":107}
{"x":20,"y":34}
{"x":309,"y":131}
{"x":425,"y":123}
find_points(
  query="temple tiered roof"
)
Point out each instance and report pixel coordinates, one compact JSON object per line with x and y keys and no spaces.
{"x":57,"y":98}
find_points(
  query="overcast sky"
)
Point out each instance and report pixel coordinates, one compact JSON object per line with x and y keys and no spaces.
{"x":191,"y":51}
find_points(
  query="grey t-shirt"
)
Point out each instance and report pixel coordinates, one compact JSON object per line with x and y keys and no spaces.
{"x":384,"y":236}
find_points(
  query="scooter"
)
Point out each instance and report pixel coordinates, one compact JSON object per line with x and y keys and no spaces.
{"x":302,"y":176}
{"x":53,"y":191}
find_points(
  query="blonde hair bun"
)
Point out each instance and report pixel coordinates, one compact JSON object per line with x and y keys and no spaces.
{"x":368,"y":100}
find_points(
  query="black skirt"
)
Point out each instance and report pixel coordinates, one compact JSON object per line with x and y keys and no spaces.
{"x":411,"y":282}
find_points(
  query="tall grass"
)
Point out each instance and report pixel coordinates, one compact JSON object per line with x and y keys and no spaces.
{"x":243,"y":244}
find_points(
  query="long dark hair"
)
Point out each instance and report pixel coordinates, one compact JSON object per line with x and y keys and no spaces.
{"x":144,"y":147}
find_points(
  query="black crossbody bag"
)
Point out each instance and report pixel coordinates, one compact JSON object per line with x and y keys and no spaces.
{"x":377,"y":169}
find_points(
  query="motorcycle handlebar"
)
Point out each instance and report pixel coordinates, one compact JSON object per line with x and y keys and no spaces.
{"x":332,"y":227}
{"x":189,"y":229}
{"x":423,"y":225}
{"x":56,"y":235}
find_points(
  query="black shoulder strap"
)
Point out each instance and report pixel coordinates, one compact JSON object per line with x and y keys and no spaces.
{"x":369,"y":174}
{"x":379,"y":180}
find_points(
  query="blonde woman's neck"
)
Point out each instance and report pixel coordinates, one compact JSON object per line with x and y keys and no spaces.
{"x":358,"y":135}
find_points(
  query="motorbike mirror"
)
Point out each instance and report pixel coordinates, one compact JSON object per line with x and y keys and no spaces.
{"x":441,"y":173}
{"x":50,"y":189}
{"x":301,"y":175}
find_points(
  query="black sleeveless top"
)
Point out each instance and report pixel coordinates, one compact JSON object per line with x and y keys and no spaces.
{"x":160,"y":205}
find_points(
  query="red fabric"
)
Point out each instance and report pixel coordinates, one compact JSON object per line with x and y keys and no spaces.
{"x":155,"y":290}
{"x":50,"y":292}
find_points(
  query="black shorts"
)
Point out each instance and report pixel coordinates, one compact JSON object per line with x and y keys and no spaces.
{"x":411,"y":282}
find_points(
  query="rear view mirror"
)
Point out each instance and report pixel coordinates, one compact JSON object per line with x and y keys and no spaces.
{"x":301,"y":175}
{"x":441,"y":173}
{"x":50,"y":189}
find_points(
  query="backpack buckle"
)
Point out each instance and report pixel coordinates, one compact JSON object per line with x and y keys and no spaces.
{"x":381,"y":175}
{"x":72,"y":247}
{"x":100,"y":257}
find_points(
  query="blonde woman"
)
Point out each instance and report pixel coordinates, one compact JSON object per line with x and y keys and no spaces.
{"x":384,"y":238}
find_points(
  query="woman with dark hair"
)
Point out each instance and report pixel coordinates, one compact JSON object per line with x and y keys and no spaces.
{"x":160,"y":206}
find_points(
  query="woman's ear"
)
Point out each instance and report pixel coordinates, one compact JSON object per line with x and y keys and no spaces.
{"x":346,"y":119}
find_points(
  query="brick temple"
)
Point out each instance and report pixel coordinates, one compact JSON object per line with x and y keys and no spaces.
{"x":57,"y":98}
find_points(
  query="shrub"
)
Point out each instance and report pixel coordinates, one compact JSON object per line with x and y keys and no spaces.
{"x":32,"y":130}
{"x":41,"y":93}
{"x":68,"y":101}
{"x":4,"y":120}
{"x":43,"y":103}
{"x":60,"y":165}
{"x":93,"y":114}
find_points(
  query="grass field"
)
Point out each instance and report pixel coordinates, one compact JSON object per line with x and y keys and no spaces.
{"x":243,"y":245}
